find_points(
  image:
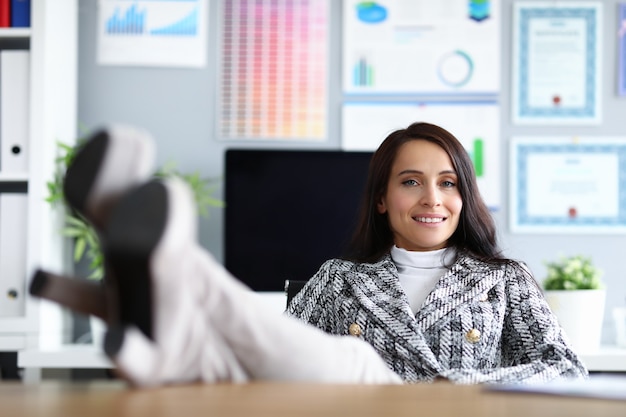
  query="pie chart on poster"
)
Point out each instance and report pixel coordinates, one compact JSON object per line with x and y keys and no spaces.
{"x":455,"y":68}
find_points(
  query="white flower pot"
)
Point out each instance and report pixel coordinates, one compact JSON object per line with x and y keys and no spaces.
{"x":580,"y":314}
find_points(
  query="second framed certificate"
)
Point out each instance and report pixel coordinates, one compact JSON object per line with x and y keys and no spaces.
{"x":568,"y":185}
{"x":557,"y":59}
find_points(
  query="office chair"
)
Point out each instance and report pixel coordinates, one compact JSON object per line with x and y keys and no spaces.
{"x":8,"y":366}
{"x":293,"y":287}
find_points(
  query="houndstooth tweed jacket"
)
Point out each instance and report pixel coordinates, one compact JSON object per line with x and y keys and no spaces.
{"x":481,"y":323}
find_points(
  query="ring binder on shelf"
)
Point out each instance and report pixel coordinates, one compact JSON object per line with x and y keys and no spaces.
{"x":12,"y":254}
{"x":14,"y":105}
{"x":20,"y":13}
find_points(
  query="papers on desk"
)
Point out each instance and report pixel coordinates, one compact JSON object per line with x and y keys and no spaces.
{"x":611,"y":387}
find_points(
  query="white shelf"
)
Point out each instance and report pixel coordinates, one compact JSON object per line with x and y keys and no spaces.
{"x":9,"y":343}
{"x":14,"y":33}
{"x":64,"y":357}
{"x":606,"y":359}
{"x":17,"y":177}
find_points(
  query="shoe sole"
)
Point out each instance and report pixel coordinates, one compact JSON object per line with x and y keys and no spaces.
{"x":111,"y":162}
{"x":82,"y":173}
{"x":135,"y":228}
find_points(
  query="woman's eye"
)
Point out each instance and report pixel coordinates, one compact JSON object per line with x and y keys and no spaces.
{"x":410,"y":182}
{"x":448,"y":184}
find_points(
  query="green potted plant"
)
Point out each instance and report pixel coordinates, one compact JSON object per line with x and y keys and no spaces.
{"x":575,"y":293}
{"x":84,"y":237}
{"x":77,"y":228}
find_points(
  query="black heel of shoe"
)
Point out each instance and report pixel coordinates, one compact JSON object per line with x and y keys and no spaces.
{"x":135,"y":228}
{"x":85,"y":297}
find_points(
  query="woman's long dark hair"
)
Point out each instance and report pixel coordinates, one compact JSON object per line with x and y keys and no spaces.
{"x":475,"y":233}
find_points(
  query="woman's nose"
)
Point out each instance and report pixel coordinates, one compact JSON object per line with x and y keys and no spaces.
{"x":431,"y":197}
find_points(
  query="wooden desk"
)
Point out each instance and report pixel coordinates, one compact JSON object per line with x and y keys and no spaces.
{"x":108,"y":399}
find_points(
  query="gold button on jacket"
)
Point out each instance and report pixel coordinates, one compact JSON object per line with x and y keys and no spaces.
{"x":473,"y":335}
{"x":355,"y":330}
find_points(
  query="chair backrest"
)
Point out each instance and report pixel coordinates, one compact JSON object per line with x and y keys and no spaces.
{"x":293,"y":287}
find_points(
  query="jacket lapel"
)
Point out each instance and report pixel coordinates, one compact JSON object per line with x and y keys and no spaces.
{"x":468,"y":279}
{"x":381,"y":294}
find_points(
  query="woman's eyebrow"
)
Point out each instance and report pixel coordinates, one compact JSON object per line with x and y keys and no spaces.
{"x":417,"y":171}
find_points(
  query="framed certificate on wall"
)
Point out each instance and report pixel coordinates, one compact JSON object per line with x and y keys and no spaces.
{"x":557,"y":56}
{"x":567,"y":185}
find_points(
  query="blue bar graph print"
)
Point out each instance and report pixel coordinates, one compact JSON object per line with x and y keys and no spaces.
{"x":187,"y":26}
{"x":131,"y":23}
{"x":363,"y":73}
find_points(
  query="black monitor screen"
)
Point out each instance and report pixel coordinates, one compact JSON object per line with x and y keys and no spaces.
{"x":288,"y":211}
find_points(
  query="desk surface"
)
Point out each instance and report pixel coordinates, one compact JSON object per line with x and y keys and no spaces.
{"x":276,"y":400}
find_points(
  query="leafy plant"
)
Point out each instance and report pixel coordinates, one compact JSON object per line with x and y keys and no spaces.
{"x":86,"y":241}
{"x":572,"y":273}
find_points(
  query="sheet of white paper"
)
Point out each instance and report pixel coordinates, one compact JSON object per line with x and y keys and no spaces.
{"x":611,"y":387}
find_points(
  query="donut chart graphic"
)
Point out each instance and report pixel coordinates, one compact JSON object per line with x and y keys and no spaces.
{"x":370,"y":12}
{"x":455,"y":68}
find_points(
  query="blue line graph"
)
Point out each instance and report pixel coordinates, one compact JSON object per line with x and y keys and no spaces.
{"x":187,"y":26}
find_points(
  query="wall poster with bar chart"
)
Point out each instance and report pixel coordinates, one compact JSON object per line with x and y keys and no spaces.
{"x":273,"y":70}
{"x":167,"y":33}
{"x":421,"y":47}
{"x":476,"y":124}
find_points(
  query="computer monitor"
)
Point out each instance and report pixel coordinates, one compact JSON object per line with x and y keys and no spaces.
{"x":288,"y":211}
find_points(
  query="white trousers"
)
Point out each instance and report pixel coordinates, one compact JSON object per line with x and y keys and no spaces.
{"x":245,"y":341}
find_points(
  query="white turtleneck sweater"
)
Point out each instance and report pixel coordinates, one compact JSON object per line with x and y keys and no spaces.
{"x":419,"y":272}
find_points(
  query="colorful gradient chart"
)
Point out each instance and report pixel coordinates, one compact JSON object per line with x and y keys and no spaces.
{"x":274,"y":69}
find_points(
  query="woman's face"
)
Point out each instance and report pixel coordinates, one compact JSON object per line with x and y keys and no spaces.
{"x":422,"y":202}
